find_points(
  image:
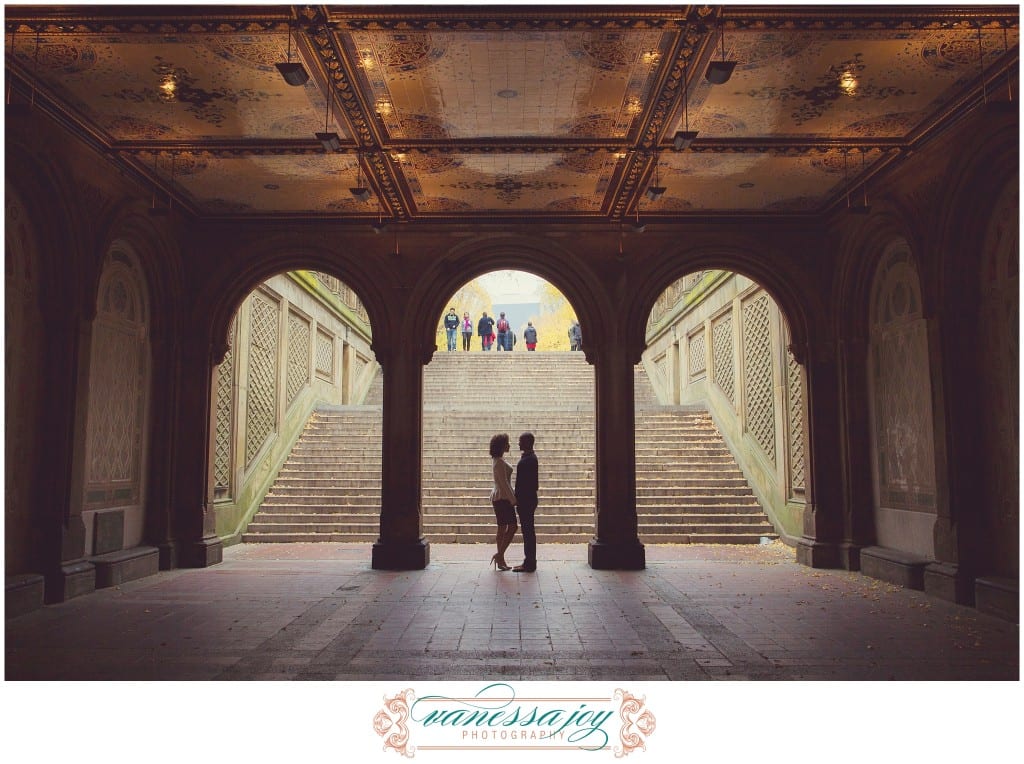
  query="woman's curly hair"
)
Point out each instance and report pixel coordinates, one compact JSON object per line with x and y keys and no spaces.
{"x":499,"y":445}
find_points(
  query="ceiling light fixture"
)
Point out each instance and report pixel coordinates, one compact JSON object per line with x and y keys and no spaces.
{"x":360,"y":192}
{"x":719,"y":72}
{"x":329,"y":140}
{"x":655,"y":192}
{"x":638,"y":227}
{"x":683,"y":138}
{"x":294,"y":73}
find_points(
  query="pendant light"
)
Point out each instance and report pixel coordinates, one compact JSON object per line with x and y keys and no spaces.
{"x":655,"y":192}
{"x":360,"y":192}
{"x":293,"y":73}
{"x":683,"y":138}
{"x":329,"y":140}
{"x":719,"y":72}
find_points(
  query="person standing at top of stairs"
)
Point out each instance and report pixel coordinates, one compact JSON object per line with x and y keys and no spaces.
{"x":485,"y":329}
{"x":451,"y":326}
{"x":530,"y":336}
{"x":504,"y":335}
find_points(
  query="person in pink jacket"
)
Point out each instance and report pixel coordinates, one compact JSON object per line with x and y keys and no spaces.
{"x":503,"y":499}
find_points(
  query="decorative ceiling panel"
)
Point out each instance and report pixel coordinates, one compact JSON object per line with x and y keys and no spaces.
{"x":312,"y":184}
{"x":554,"y":182}
{"x":185,"y":87}
{"x":476,"y":112}
{"x":880,"y":84}
{"x":703,"y":181}
{"x":460,"y":85}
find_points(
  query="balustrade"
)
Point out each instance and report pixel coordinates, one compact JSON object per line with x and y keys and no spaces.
{"x":344,"y":293}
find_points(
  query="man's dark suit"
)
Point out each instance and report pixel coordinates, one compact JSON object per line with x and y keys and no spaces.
{"x":526,"y":505}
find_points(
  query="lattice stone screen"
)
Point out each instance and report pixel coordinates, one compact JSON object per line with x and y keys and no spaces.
{"x":721,"y":357}
{"x":225,"y":420}
{"x":261,"y":409}
{"x":698,"y":353}
{"x":797,"y":467}
{"x":757,"y":373}
{"x":324,"y":355}
{"x":298,"y":355}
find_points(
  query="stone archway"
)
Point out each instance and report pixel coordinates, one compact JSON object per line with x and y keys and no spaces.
{"x":471,"y":396}
{"x":717,"y":344}
{"x":298,"y":345}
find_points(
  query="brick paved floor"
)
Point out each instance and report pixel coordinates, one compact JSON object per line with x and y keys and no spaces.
{"x":318,"y":611}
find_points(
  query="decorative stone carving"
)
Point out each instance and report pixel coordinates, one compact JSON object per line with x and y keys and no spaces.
{"x":721,"y":357}
{"x":757,"y":373}
{"x":261,"y":411}
{"x":298,"y":355}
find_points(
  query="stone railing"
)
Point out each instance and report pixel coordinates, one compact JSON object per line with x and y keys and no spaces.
{"x":344,"y":293}
{"x":673,"y":296}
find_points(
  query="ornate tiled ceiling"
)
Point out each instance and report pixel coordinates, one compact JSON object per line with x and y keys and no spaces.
{"x":536,"y":112}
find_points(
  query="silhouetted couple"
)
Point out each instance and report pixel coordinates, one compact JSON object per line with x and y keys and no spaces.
{"x":507,"y":502}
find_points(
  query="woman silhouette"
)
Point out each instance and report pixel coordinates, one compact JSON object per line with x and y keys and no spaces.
{"x":503,"y":499}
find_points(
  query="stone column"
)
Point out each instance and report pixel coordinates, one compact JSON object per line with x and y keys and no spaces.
{"x":199,"y":546}
{"x":855,"y":441}
{"x":823,"y":514}
{"x":347,"y":359}
{"x":67,"y":370}
{"x":159,"y":522}
{"x":616,"y":545}
{"x":401,"y":545}
{"x":951,"y":576}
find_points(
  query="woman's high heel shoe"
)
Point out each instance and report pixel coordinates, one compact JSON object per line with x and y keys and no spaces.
{"x":499,"y":564}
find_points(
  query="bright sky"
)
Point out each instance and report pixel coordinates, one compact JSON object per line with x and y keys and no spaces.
{"x":509,"y":287}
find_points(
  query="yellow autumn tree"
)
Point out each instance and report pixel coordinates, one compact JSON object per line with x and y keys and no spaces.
{"x":471,"y":298}
{"x":556,"y":314}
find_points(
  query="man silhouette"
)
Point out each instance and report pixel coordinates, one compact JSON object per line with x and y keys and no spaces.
{"x":526,"y":501}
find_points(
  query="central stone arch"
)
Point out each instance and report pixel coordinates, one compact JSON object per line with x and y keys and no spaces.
{"x":540,"y":257}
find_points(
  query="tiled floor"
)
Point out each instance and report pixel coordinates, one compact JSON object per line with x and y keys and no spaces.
{"x":308,"y":611}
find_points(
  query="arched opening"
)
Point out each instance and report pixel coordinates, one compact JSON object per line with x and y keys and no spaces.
{"x":721,"y":451}
{"x":470,"y":396}
{"x":297,"y":416}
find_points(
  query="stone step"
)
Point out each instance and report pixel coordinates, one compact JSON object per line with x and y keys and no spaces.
{"x":688,"y":485}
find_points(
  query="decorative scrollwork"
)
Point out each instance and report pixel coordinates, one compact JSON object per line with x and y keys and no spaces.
{"x":637,"y":723}
{"x":390,"y":723}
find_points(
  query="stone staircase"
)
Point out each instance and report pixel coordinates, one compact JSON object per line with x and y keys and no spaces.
{"x":689,"y":488}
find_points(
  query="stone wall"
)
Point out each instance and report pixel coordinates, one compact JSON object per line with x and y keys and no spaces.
{"x":718,"y":339}
{"x":300,"y":339}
